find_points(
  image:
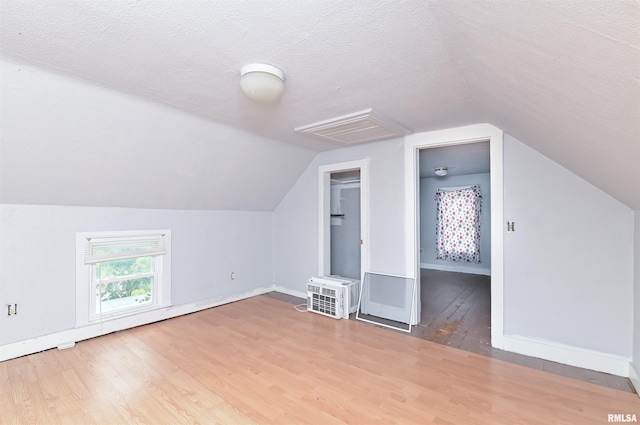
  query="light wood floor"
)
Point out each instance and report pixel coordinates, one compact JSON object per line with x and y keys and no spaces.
{"x":258,"y":361}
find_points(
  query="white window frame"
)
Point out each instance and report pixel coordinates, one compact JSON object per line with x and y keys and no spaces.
{"x":85,"y":293}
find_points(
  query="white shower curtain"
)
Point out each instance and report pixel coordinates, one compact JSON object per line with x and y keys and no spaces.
{"x":458,"y":224}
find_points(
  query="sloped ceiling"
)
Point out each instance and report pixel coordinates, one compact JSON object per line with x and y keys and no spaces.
{"x":561,"y":76}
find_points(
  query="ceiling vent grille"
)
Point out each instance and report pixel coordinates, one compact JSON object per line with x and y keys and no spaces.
{"x":360,"y":127}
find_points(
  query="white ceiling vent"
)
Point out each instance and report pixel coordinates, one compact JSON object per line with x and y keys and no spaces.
{"x":351,"y":129}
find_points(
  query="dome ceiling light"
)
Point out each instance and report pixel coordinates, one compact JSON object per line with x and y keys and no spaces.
{"x":441,"y":171}
{"x":262,"y":82}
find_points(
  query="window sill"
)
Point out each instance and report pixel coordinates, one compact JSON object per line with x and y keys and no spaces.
{"x":109,"y":317}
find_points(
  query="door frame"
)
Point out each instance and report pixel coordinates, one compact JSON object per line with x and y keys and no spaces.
{"x":449,"y":137}
{"x":324,"y":219}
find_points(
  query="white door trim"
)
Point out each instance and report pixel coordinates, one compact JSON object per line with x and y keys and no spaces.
{"x":449,"y":137}
{"x":324,"y":223}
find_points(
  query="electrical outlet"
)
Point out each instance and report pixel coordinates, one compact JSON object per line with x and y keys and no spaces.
{"x":12,"y":309}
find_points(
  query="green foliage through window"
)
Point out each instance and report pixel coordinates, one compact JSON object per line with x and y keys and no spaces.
{"x":118,"y":279}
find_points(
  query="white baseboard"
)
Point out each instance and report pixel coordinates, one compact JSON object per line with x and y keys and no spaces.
{"x":288,"y":291}
{"x":587,"y":359}
{"x":457,"y":269}
{"x":67,"y":338}
{"x":634,"y":377}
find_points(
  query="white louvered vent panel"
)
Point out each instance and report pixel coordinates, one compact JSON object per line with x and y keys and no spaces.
{"x":359,"y":127}
{"x":324,"y":304}
{"x":329,"y":292}
{"x":325,"y":299}
{"x":333,"y":296}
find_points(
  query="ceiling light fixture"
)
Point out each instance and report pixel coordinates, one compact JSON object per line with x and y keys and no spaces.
{"x":261,"y":82}
{"x":441,"y":171}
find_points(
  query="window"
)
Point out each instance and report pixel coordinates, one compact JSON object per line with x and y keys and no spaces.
{"x":458,"y":224}
{"x":121,"y":273}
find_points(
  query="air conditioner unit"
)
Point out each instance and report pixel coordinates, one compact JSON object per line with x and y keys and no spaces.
{"x":333,"y":296}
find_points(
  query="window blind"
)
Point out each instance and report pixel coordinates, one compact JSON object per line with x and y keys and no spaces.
{"x":98,"y":250}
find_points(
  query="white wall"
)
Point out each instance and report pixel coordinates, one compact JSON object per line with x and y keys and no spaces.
{"x":37,"y":258}
{"x":568,"y":284}
{"x":569,"y":264}
{"x":296,"y":231}
{"x":428,"y":188}
{"x":65,"y":141}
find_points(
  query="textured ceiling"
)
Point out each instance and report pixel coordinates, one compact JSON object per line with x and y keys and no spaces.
{"x":561,"y":76}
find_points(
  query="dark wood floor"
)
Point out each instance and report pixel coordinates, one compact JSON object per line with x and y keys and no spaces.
{"x":456,"y":311}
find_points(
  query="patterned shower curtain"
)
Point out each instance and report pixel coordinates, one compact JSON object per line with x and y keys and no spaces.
{"x":458,"y":224}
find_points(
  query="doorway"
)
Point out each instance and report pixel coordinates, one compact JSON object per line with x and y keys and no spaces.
{"x":451,"y":137}
{"x":455,"y":244}
{"x":343,"y":219}
{"x":344,"y":223}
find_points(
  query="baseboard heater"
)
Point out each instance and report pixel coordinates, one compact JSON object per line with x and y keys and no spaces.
{"x":333,"y":296}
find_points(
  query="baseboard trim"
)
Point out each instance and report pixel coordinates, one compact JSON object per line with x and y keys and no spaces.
{"x":446,"y":268}
{"x":573,"y":356}
{"x":288,"y":291}
{"x":634,"y":377}
{"x":67,"y":338}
